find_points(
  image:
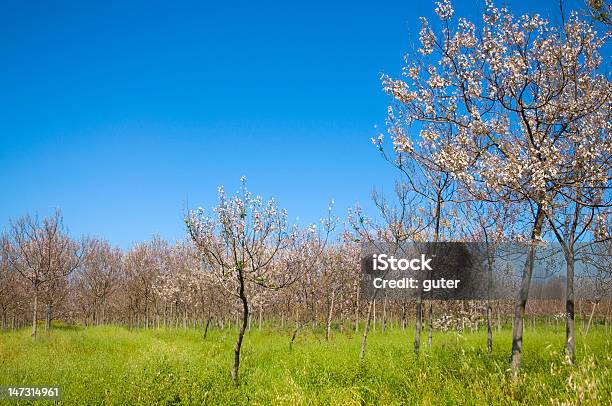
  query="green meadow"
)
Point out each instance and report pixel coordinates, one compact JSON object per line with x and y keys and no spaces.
{"x":112,"y":365}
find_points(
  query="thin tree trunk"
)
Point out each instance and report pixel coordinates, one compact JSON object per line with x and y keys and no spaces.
{"x":329,"y":315}
{"x":430,"y":323}
{"x":586,"y":333}
{"x":294,"y":335}
{"x":35,"y":315}
{"x":519,"y":310}
{"x":48,"y":317}
{"x":384,"y":315}
{"x":206,"y":328}
{"x":417,"y":332}
{"x":374,"y":315}
{"x":366,"y":330}
{"x":570,"y":337}
{"x":417,"y":327}
{"x":357,"y":313}
{"x":245,"y":321}
{"x":404,"y":311}
{"x":489,"y":330}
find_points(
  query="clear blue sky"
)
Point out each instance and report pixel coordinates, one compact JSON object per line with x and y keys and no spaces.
{"x":122,"y":114}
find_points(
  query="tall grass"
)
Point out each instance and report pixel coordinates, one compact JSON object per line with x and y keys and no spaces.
{"x":111,"y":365}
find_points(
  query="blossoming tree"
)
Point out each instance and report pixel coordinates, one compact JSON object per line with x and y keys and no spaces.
{"x":246,"y":244}
{"x":518,"y":110}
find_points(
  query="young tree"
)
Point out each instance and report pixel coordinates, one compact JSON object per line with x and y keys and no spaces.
{"x":400,"y":223}
{"x":246,"y":243}
{"x":572,"y":223}
{"x":432,"y":185}
{"x":488,"y":224}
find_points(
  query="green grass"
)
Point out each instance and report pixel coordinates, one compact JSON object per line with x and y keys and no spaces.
{"x":111,"y":365}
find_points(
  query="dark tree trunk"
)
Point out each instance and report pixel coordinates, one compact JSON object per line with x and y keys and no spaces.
{"x":245,"y":321}
{"x":519,"y":309}
{"x":404,"y":311}
{"x":430,"y":324}
{"x":384,"y":315}
{"x":294,"y":335}
{"x":489,"y":330}
{"x":417,"y":329}
{"x":570,"y":338}
{"x":357,"y":313}
{"x":207,"y":324}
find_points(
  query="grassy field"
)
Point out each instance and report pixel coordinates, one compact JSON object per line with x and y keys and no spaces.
{"x":111,"y":365}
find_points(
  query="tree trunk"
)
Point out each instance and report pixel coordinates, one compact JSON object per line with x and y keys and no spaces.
{"x":329,"y":315}
{"x":586,"y":333}
{"x":297,"y":327}
{"x":489,"y":330}
{"x":384,"y":315}
{"x":35,"y":315}
{"x":404,"y":310}
{"x":570,"y":338}
{"x":430,"y":323}
{"x":519,"y":310}
{"x":417,"y":327}
{"x":366,"y":330}
{"x":206,"y":328}
{"x":374,"y":315}
{"x":357,"y":313}
{"x":245,"y":321}
{"x":146,"y":315}
{"x":48,"y":317}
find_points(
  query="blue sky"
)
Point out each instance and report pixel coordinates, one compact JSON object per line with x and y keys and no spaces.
{"x":122,"y":115}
